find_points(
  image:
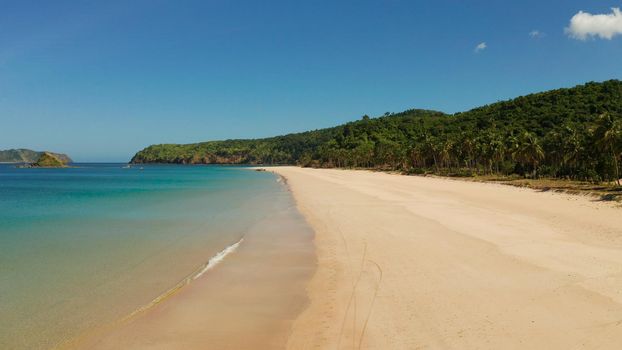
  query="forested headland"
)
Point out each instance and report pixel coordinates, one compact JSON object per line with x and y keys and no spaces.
{"x":23,"y":155}
{"x":573,"y":133}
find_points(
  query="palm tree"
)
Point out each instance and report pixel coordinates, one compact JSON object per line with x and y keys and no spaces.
{"x":572,"y":147}
{"x":431,"y":148}
{"x":608,"y":135}
{"x":468,"y":146}
{"x":445,"y":152}
{"x":497,"y":152}
{"x":530,"y":151}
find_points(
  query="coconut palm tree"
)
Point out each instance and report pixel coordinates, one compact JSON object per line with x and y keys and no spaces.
{"x":468,"y":147}
{"x":572,"y":147}
{"x":608,"y":136}
{"x":445,"y":150}
{"x":529,"y":151}
{"x":497,"y":152}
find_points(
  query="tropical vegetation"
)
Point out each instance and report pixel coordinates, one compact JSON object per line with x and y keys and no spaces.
{"x":571,"y":133}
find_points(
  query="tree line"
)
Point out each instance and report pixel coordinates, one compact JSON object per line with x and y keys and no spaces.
{"x":566,"y":133}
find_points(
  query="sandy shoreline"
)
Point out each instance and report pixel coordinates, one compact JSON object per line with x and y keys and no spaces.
{"x":248,"y":301}
{"x":412,"y":262}
{"x":405,"y":263}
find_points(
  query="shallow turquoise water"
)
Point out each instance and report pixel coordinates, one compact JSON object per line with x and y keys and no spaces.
{"x":83,"y":246}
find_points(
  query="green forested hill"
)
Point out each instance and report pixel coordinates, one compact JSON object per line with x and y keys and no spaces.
{"x":288,"y":149}
{"x":49,"y":160}
{"x":23,"y":155}
{"x":574,"y":133}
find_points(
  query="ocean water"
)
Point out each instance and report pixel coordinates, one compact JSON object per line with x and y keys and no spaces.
{"x":85,"y":246}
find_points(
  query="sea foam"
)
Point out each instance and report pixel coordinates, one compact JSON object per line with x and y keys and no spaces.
{"x":218,"y":258}
{"x":213,"y":261}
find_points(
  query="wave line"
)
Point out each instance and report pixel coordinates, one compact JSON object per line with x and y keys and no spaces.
{"x":218,"y":258}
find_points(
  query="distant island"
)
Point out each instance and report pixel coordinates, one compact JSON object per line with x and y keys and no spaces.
{"x":48,"y":160}
{"x":23,"y":155}
{"x":573,"y":133}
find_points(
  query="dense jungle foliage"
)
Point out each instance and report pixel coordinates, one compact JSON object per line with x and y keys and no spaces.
{"x":571,"y":133}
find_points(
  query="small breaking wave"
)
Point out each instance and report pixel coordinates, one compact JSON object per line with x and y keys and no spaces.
{"x":218,"y":258}
{"x":213,"y":261}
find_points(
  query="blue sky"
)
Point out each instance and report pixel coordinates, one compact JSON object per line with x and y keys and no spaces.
{"x":100,"y":80}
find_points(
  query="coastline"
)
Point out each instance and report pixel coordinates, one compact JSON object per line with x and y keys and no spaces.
{"x":409,"y":262}
{"x":402,"y":262}
{"x":257,"y":289}
{"x":93,"y":335}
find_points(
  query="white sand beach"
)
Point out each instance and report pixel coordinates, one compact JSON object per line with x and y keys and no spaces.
{"x":425,"y":263}
{"x":405,"y":262}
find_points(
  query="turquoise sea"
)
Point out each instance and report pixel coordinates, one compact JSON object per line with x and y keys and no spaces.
{"x":83,"y":246}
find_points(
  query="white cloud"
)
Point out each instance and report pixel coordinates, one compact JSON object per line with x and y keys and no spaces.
{"x":536,"y":34}
{"x":480,"y":47}
{"x":585,"y":25}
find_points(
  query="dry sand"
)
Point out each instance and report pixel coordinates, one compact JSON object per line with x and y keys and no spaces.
{"x":424,"y":263}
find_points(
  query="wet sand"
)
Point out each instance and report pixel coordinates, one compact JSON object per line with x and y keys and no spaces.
{"x":424,"y":263}
{"x":248,"y":301}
